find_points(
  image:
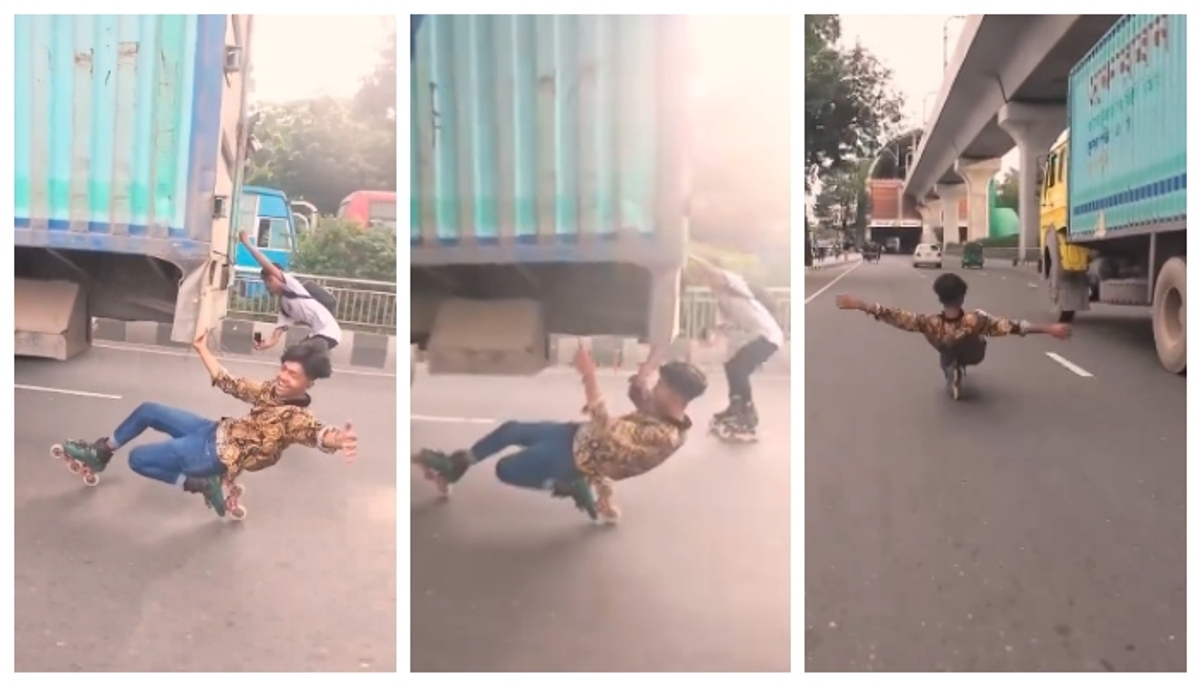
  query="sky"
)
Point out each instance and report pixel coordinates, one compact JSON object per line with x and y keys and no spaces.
{"x":296,"y":57}
{"x":911,"y":46}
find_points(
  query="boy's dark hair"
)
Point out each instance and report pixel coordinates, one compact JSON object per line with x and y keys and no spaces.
{"x":312,"y":359}
{"x":684,"y":378}
{"x":951,"y":290}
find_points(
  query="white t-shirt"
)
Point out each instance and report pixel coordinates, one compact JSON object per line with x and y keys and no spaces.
{"x":306,"y":310}
{"x":738,"y":304}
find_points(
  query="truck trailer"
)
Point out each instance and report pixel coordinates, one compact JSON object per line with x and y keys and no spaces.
{"x":549,"y":184}
{"x":1114,"y":187}
{"x":130,"y":144}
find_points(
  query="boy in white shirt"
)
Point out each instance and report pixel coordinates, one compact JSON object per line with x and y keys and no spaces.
{"x":738,"y":306}
{"x":296,"y":305}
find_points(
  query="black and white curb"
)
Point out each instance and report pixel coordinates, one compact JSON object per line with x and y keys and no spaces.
{"x":236,"y":337}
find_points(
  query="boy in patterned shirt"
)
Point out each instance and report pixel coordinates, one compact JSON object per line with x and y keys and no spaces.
{"x":957,"y":335}
{"x":581,"y":460}
{"x":203,"y":453}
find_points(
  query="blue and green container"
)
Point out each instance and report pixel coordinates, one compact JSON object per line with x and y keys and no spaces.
{"x":1128,"y":125}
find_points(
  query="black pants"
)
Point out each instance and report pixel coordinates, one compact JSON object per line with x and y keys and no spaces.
{"x":965,"y":352}
{"x":744,"y":362}
{"x":324,"y":342}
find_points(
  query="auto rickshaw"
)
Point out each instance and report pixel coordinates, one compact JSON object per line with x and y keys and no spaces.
{"x":972,"y":255}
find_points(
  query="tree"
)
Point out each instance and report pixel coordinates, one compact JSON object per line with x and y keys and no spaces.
{"x":850,"y":108}
{"x":842,"y":202}
{"x":1007,"y":190}
{"x":323,"y":149}
{"x":347,"y":251}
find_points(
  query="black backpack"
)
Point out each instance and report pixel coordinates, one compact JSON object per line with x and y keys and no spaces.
{"x":315,"y":292}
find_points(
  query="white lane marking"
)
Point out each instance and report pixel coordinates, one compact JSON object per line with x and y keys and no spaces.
{"x":1071,"y":366}
{"x":450,"y":420}
{"x":65,"y":391}
{"x":151,"y":350}
{"x":1031,"y":284}
{"x":829,"y":285}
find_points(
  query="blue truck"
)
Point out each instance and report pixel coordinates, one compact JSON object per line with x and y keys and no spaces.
{"x":131,"y":136}
{"x":1114,"y":189}
{"x":549,"y":184}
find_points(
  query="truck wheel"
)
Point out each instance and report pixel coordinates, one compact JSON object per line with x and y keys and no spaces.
{"x":1170,"y":315}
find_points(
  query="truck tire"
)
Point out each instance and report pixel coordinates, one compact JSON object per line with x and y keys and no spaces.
{"x":1169,"y":314}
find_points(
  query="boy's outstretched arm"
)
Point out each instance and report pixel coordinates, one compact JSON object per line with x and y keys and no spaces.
{"x":901,"y":319}
{"x":245,"y":390}
{"x":999,"y":326}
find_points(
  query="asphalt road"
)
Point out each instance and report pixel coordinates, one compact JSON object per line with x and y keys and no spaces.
{"x":1036,"y":525}
{"x":695,"y":577}
{"x":134,"y":575}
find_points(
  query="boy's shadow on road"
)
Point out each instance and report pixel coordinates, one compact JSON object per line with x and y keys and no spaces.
{"x":104,"y":572}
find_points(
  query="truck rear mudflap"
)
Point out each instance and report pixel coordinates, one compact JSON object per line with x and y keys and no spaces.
{"x":51,"y":319}
{"x":501,"y":337}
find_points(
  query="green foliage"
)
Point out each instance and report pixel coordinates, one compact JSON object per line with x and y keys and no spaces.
{"x":347,"y":251}
{"x":844,"y":188}
{"x":1007,"y":190}
{"x":323,"y":149}
{"x":850,"y":108}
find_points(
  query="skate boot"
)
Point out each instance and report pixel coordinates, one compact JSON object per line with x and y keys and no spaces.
{"x":210,"y":487}
{"x":95,"y":456}
{"x":578,"y":490}
{"x":745,"y":426}
{"x":954,"y":376}
{"x":445,"y":469}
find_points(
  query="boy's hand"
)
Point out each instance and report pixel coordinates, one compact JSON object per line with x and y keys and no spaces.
{"x":848,"y":302}
{"x":244,"y":238}
{"x":584,"y":364}
{"x":347,"y":440}
{"x":1060,"y":331}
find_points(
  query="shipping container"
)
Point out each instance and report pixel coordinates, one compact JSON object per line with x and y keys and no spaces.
{"x":1128,"y":110}
{"x":548,"y":139}
{"x":129,"y":143}
{"x":117,"y":126}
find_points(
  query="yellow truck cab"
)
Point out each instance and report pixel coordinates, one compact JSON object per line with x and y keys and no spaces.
{"x":1053,"y":213}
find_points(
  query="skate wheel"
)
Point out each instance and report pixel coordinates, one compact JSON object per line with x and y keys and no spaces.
{"x":236,"y":490}
{"x":237,"y":512}
{"x":74,"y":467}
{"x":91,"y":479}
{"x":58,"y":452}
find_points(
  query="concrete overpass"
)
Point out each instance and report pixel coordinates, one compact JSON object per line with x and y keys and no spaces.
{"x":1005,"y":86}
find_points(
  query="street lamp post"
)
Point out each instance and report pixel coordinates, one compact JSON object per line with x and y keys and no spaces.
{"x":946,"y":39}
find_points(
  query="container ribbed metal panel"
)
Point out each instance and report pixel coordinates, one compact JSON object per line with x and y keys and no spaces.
{"x":1128,"y":127}
{"x":542,"y":130}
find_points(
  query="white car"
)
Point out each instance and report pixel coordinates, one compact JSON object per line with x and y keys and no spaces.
{"x":928,"y":255}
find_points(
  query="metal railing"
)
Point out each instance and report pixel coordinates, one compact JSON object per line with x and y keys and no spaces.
{"x":361,"y":305}
{"x":698,"y":311}
{"x":371,"y":305}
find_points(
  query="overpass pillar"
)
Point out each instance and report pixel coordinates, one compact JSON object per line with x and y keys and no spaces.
{"x":950,"y":194}
{"x":931,"y":218}
{"x":1034,"y":129}
{"x":978,"y":175}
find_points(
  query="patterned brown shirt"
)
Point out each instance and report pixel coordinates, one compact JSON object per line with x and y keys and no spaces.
{"x":942,"y":332}
{"x":617,"y":448}
{"x":258,"y":440}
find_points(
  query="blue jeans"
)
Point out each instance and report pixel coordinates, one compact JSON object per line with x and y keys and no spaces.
{"x":548,"y":453}
{"x":192,"y":450}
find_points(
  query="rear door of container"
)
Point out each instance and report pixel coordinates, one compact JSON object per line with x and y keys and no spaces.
{"x":229,"y":155}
